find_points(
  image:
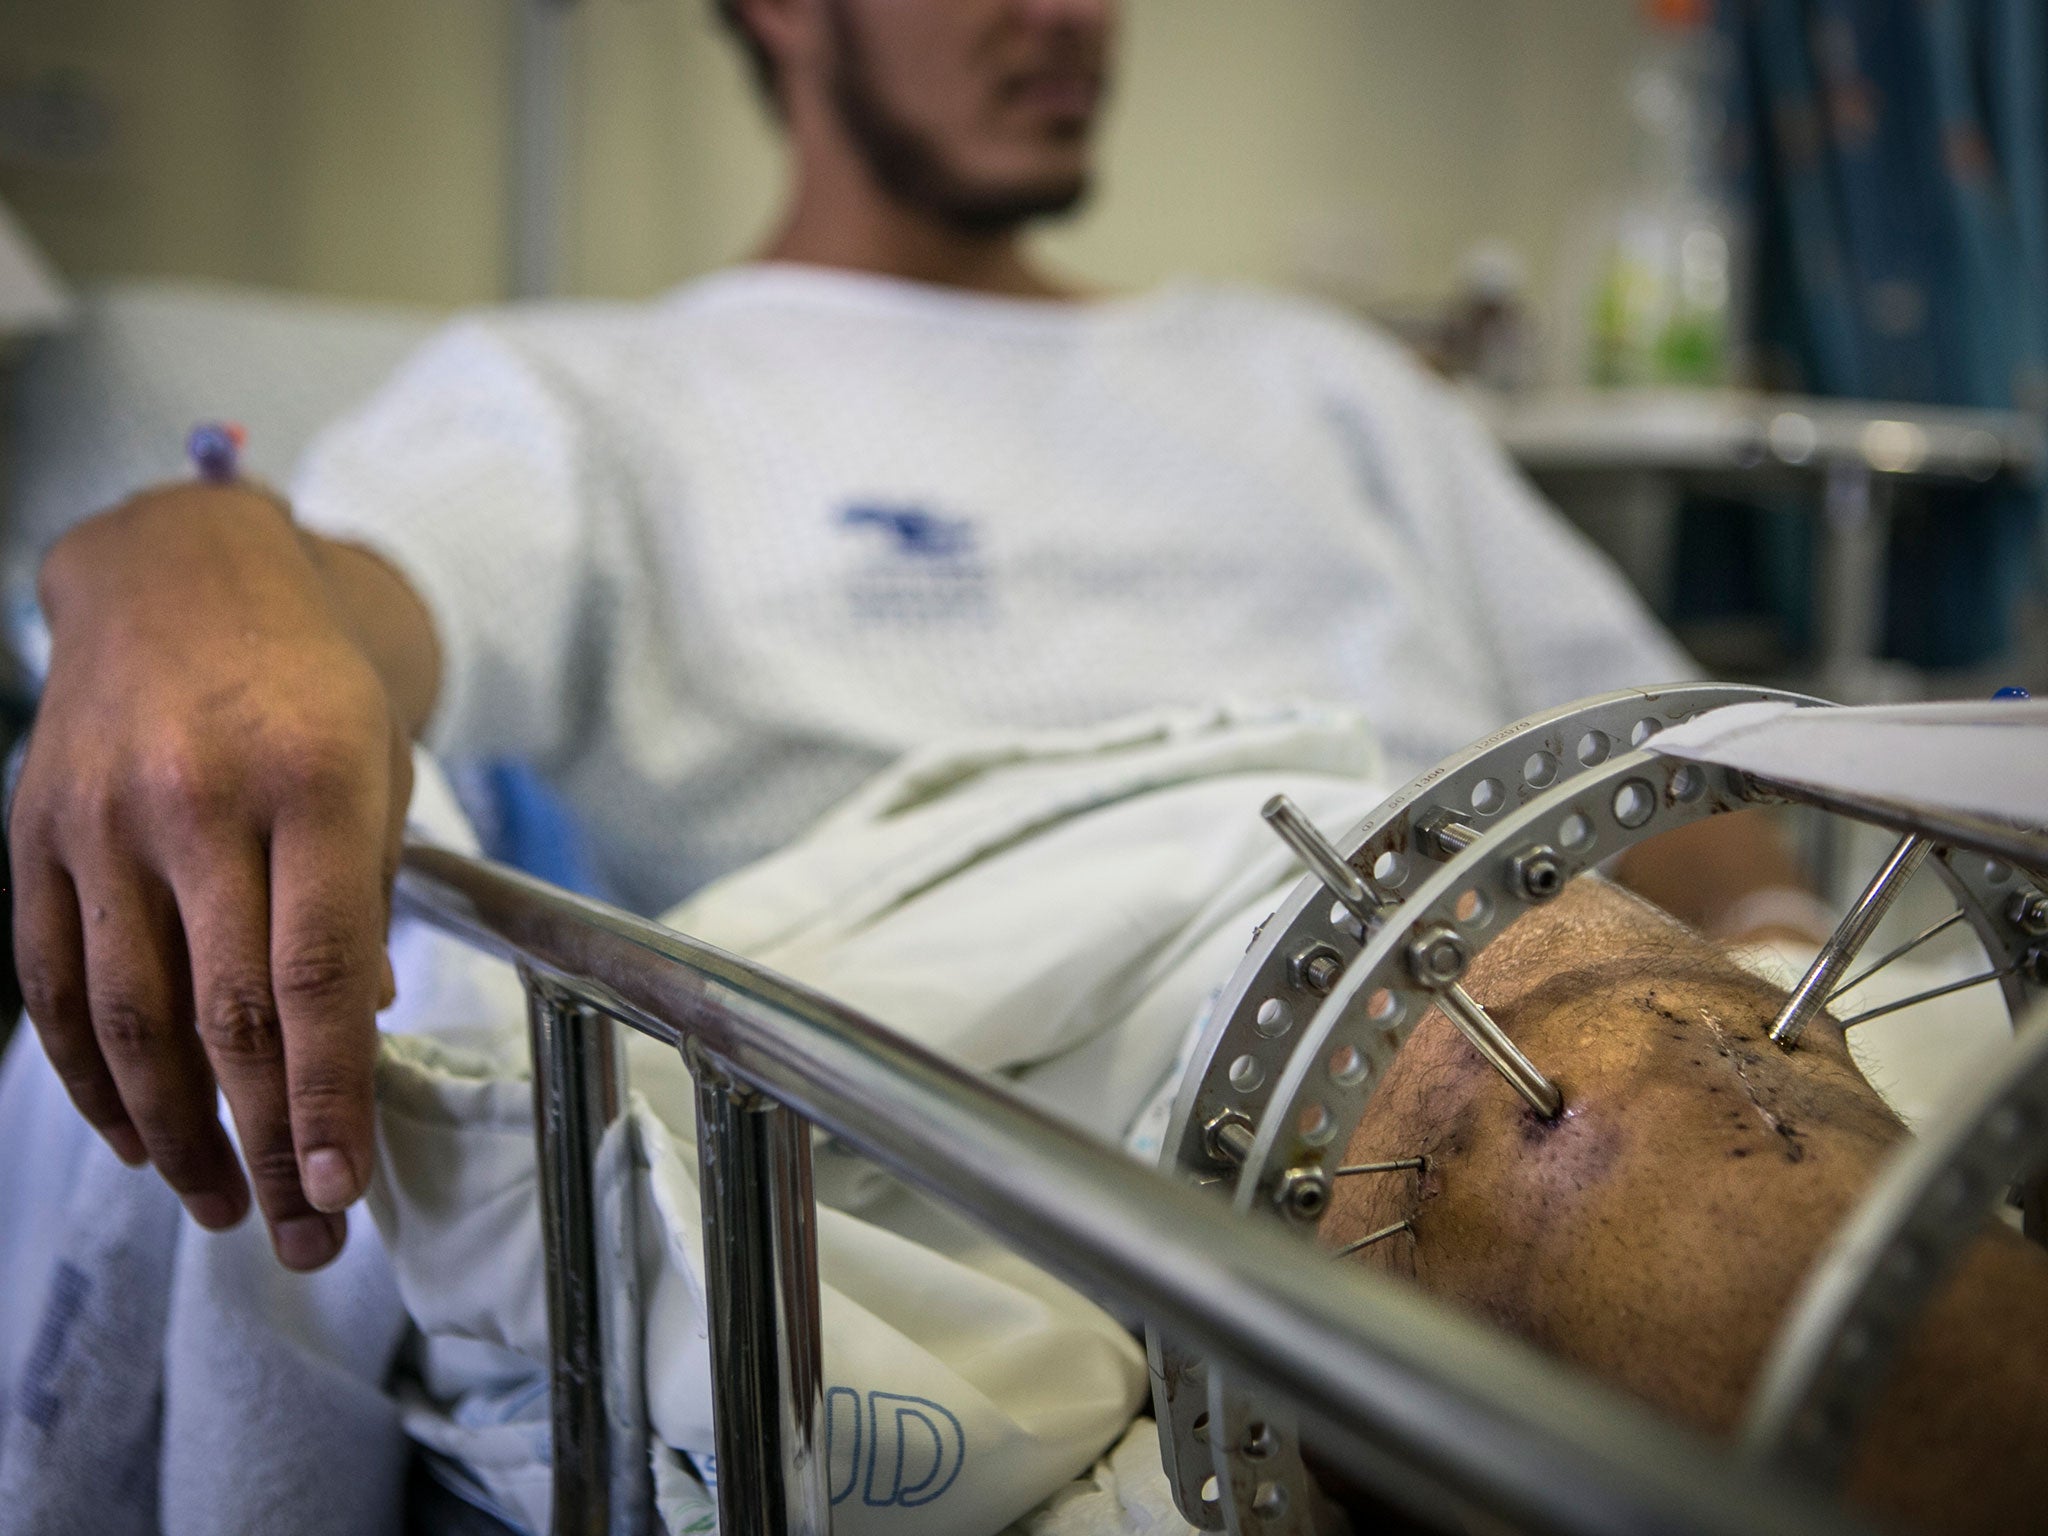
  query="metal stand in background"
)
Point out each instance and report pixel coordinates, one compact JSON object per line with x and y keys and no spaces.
{"x":761,"y":1272}
{"x":538,"y":190}
{"x":1620,"y":462}
{"x":1848,"y":587}
{"x":1849,"y":566}
{"x":588,"y":1213}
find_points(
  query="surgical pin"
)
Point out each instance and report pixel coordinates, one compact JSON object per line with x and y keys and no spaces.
{"x":1437,"y":960}
{"x":1501,"y":1053}
{"x":1839,"y":953}
{"x":1359,"y":896}
{"x":1398,"y":1164}
{"x":1403,"y":1225}
{"x":1900,"y":953}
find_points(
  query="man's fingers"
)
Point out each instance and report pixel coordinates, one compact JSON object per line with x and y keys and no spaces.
{"x":326,"y":948}
{"x":137,"y":993}
{"x":50,"y":956}
{"x":394,"y":850}
{"x":226,"y":912}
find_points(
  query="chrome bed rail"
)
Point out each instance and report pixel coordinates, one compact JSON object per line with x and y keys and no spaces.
{"x":1383,"y":1377}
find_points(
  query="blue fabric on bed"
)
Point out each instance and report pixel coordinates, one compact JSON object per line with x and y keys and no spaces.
{"x":157,"y":1380}
{"x":522,"y":821}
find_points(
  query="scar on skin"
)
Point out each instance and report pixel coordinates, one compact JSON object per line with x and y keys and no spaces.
{"x":1786,"y":1132}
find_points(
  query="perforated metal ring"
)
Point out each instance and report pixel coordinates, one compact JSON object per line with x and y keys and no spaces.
{"x":1291,"y":1094}
{"x":1257,"y":1022}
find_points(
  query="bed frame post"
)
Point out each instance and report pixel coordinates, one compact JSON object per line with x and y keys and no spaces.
{"x":761,"y":1273}
{"x":588,"y":1209}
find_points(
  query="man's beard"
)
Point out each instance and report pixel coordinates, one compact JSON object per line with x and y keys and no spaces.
{"x":913,"y":169}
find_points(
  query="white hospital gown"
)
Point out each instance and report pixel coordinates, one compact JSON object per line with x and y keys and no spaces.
{"x":715,"y":560}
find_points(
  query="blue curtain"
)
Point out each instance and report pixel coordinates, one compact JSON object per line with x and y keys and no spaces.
{"x":1894,"y":154}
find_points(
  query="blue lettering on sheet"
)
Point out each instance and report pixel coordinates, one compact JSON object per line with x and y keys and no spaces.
{"x":913,"y":530}
{"x":914,"y":1448}
{"x":69,"y":1288}
{"x":926,"y":1456}
{"x":842,"y":1428}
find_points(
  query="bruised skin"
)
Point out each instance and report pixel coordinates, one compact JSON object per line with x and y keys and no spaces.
{"x":1656,"y":1234}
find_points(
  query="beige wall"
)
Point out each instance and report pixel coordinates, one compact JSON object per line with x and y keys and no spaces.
{"x":350,"y":148}
{"x":357,"y":146}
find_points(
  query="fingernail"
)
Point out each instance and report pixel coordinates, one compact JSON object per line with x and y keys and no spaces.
{"x":329,"y":1181}
{"x":306,"y":1242}
{"x":127,"y":1145}
{"x":387,"y":992}
{"x":215,"y":1212}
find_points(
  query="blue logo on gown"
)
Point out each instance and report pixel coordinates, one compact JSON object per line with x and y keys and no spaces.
{"x":914,"y":566}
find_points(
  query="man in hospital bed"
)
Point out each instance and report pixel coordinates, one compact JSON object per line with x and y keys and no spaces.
{"x":714,"y":561}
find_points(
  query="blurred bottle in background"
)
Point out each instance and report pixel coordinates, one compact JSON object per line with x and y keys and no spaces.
{"x":1661,"y":293}
{"x":1487,"y":335}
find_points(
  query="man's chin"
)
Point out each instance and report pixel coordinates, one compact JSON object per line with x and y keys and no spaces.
{"x":995,"y":210}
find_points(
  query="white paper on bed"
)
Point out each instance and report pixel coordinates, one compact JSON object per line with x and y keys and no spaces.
{"x":1986,"y":757}
{"x":1055,"y":908}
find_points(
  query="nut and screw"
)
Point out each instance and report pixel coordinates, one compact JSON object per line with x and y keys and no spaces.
{"x":1438,"y":956}
{"x":1270,"y":1501}
{"x":1303,"y":1192}
{"x":1316,"y":968}
{"x":1537,"y":872}
{"x":1228,"y":1139}
{"x":1442,"y":836}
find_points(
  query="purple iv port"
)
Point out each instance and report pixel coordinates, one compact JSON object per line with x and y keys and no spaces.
{"x":215,"y":447}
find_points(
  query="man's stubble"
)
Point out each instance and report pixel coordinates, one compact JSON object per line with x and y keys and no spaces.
{"x":912,"y":167}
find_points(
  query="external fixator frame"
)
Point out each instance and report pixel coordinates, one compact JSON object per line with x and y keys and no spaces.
{"x":1328,"y":993}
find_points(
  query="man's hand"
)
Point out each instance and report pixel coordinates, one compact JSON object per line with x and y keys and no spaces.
{"x":203,"y":842}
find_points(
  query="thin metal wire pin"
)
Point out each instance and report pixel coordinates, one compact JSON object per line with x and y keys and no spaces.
{"x":1817,"y":987}
{"x":1403,"y":1225}
{"x":1931,"y":993}
{"x":1898,"y":954}
{"x":1399,"y":1163}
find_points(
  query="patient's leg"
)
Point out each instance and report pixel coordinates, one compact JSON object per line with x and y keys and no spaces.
{"x":1656,"y":1234}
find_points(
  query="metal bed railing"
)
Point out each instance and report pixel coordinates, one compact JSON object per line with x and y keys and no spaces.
{"x":1381,"y":1375}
